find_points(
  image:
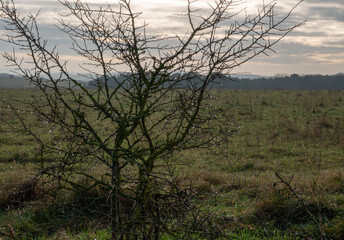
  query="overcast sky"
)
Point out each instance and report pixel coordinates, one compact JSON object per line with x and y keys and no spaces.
{"x":315,"y":48}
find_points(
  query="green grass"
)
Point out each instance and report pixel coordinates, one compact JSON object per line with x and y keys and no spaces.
{"x":299,"y":134}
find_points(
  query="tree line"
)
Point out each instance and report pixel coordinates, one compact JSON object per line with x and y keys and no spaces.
{"x":292,"y":82}
{"x":278,"y":82}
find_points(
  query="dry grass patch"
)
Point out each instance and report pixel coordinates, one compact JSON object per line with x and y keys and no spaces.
{"x":332,"y":182}
{"x":283,"y":209}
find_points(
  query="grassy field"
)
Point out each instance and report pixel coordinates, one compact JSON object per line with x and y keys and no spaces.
{"x":297,"y":134}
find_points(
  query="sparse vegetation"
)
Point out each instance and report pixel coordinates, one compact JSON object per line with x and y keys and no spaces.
{"x":239,"y":189}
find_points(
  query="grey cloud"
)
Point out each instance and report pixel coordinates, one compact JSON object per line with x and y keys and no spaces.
{"x":298,"y":55}
{"x":328,"y":13}
{"x":291,"y":53}
{"x":54,"y":7}
{"x":54,"y":4}
{"x":48,"y":32}
{"x":171,"y":10}
{"x":38,"y":3}
{"x":300,"y":33}
{"x":302,"y":49}
{"x":288,"y":53}
{"x":326,"y":1}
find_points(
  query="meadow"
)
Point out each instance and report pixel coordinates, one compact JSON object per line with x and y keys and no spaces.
{"x":280,"y":175}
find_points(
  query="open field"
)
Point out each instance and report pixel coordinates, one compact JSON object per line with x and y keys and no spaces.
{"x":297,"y":134}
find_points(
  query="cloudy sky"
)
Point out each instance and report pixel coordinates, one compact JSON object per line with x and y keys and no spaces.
{"x":317,"y":47}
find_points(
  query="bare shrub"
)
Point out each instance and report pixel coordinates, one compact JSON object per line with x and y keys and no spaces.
{"x":146,"y":100}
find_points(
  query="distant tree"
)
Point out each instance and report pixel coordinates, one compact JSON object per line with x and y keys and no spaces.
{"x":155,"y":104}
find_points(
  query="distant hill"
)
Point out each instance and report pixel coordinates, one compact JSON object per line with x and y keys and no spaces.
{"x":8,"y":81}
{"x":11,"y":81}
{"x":281,"y":82}
{"x":247,"y":76}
